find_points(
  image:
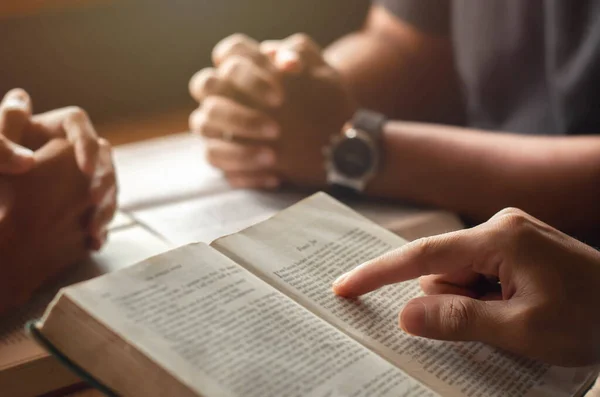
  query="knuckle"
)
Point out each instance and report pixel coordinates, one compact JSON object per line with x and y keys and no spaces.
{"x":236,"y":40}
{"x":515,"y":223}
{"x":19,"y":93}
{"x":423,"y":246}
{"x":77,"y":115}
{"x":105,"y":147}
{"x":301,"y":39}
{"x":224,"y":46}
{"x":203,"y":81}
{"x":193,"y":120}
{"x":456,"y":316}
{"x":209,"y":83}
{"x":233,"y":65}
{"x":199,"y":122}
{"x":210,"y":108}
{"x":239,"y":44}
{"x":509,"y":211}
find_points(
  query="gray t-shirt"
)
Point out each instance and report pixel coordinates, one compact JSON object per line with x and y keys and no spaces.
{"x":526,"y":66}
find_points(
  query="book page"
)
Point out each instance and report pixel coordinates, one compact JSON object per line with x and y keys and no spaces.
{"x":302,"y":250}
{"x":221,"y":331}
{"x":164,"y":170}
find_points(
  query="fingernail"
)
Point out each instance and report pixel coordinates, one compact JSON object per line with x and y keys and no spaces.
{"x":413,"y":319}
{"x":15,"y":104}
{"x":341,"y":279}
{"x":266,"y":158}
{"x":272,"y":183}
{"x":270,"y":130}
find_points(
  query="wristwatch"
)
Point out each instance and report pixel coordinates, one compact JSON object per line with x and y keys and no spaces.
{"x":353,"y":157}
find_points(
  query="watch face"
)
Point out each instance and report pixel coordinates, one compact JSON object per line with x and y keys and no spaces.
{"x":353,"y":158}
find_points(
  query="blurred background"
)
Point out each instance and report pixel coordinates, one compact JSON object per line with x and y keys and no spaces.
{"x":125,"y":60}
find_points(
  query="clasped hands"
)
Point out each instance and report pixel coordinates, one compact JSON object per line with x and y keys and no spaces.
{"x":267,"y":110}
{"x":57,"y":193}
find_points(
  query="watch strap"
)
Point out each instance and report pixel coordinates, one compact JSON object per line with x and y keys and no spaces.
{"x":343,"y":193}
{"x":369,"y":122}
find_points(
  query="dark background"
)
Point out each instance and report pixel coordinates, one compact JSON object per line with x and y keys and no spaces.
{"x":136,"y":56}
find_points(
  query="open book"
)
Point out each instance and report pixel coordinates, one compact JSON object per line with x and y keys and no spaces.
{"x":253,"y":315}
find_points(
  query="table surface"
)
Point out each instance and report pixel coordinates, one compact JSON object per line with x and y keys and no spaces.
{"x":140,"y":128}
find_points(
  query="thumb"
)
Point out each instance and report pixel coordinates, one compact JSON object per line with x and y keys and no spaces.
{"x":456,"y":318}
{"x":15,"y":113}
{"x":14,"y":159}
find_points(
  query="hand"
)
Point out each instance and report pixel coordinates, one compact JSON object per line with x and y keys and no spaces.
{"x":545,"y":305}
{"x":41,"y":216}
{"x":22,"y":133}
{"x":268,"y":110}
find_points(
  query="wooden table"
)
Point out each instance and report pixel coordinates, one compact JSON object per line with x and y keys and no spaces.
{"x":143,"y":127}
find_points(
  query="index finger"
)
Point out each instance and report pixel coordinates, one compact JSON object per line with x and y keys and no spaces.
{"x":432,"y":255}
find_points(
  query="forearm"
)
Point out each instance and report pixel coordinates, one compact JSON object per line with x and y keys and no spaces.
{"x":399,"y":71}
{"x":475,"y":173}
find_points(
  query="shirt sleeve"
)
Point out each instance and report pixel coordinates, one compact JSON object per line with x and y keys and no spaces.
{"x":431,"y":16}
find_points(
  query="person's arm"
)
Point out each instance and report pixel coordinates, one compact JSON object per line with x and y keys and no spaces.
{"x":400,"y":70}
{"x":475,"y":174}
